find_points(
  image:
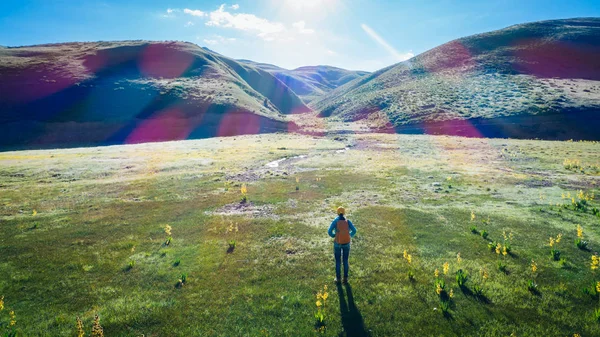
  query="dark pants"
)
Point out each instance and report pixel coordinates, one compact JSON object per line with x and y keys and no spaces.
{"x":341,"y":252}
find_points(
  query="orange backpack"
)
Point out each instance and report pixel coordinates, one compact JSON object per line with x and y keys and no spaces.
{"x":342,"y":232}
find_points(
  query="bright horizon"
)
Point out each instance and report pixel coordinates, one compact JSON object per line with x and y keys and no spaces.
{"x":350,"y":34}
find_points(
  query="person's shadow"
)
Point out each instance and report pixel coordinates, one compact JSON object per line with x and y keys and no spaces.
{"x":352,"y":320}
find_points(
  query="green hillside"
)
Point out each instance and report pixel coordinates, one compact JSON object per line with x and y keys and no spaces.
{"x":531,"y":80}
{"x":100,"y":93}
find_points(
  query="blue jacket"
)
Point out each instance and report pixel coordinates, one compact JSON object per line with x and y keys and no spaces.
{"x":333,"y":226}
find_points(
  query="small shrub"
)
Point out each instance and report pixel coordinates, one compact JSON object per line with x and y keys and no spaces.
{"x":595,"y":211}
{"x":562,"y":262}
{"x":592,"y":291}
{"x":555,"y":254}
{"x":597,"y":315}
{"x":502,"y":267}
{"x":474,"y":230}
{"x":168,"y":241}
{"x":580,"y":205}
{"x":445,"y":307}
{"x":477,"y":290}
{"x":532,"y":286}
{"x":581,"y":244}
{"x":461,"y":277}
{"x":176,"y":263}
{"x":484,"y":234}
{"x":411,"y":276}
{"x":181,"y":282}
{"x":491,"y":246}
{"x":130,"y":265}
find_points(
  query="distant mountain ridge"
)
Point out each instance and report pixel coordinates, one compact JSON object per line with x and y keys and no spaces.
{"x":310,"y":82}
{"x":100,"y":93}
{"x":539,"y":79}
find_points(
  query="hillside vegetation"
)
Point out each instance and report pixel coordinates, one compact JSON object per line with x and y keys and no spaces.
{"x":122,"y":92}
{"x":530,"y":80}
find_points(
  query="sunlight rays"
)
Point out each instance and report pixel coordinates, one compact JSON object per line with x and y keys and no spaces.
{"x":391,"y":50}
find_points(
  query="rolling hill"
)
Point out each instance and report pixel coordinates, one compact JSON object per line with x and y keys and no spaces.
{"x":533,"y":80}
{"x":75,"y":94}
{"x":311,"y":82}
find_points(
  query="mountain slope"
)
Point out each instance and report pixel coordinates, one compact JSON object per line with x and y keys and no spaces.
{"x":531,"y":80}
{"x":134,"y":91}
{"x":311,"y":82}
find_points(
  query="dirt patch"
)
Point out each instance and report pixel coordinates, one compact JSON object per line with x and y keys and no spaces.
{"x":247,"y":209}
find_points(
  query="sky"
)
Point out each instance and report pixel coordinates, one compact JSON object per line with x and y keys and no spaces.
{"x":352,"y":34}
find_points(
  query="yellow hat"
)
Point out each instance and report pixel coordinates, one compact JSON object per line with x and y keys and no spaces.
{"x":341,"y":210}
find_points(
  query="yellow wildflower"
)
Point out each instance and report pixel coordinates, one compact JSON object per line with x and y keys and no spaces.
{"x":436,"y":273}
{"x":405,"y":254}
{"x":451,"y":294}
{"x":573,"y":201}
{"x":409,"y":258}
{"x":534,"y":267}
{"x":325,"y":295}
{"x":13,"y":318}
{"x":484,"y":274}
{"x":319,"y":304}
{"x":551,"y":241}
{"x":446,"y":267}
{"x":297,"y":180}
{"x":80,"y":332}
{"x":562,"y":196}
{"x":97,"y":330}
{"x":449,"y":178}
{"x":244,"y":190}
{"x":504,"y":235}
{"x":34,"y":213}
{"x":1,"y":303}
{"x":498,"y":248}
{"x":558,"y":237}
{"x":510,"y":236}
{"x":472,"y":216}
{"x":595,"y":262}
{"x":598,"y":287}
{"x":504,"y":251}
{"x":579,"y":232}
{"x":168,"y":230}
{"x":458,"y":259}
{"x":438,"y":289}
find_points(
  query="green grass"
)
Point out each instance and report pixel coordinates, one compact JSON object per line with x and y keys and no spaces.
{"x":96,"y":244}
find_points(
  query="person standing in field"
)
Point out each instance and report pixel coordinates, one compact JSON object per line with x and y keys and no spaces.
{"x":342,"y":230}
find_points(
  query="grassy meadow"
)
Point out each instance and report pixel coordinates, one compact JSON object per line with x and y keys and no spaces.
{"x":154,"y":239}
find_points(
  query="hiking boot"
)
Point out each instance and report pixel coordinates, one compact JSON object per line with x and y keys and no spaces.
{"x":345,"y":280}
